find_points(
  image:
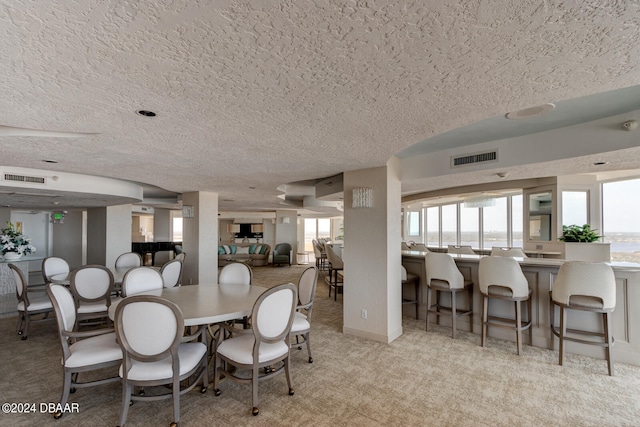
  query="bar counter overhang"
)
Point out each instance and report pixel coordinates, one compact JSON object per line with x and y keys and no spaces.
{"x":540,"y":273}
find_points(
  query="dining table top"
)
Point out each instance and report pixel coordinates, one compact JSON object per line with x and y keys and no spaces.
{"x":208,"y":303}
{"x":118,"y":275}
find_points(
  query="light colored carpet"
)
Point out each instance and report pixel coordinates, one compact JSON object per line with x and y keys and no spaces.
{"x":419,"y":379}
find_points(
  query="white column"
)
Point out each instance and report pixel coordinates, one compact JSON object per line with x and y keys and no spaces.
{"x":200,"y":238}
{"x":372,"y":256}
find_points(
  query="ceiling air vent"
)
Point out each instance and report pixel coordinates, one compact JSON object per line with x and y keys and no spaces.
{"x":24,"y":178}
{"x":470,"y":159}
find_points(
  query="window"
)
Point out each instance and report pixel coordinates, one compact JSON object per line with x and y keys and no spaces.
{"x":620,"y":205}
{"x":177,"y":229}
{"x":449,"y":225}
{"x":516,"y":221}
{"x":469,"y":227}
{"x":316,"y":228}
{"x":499,"y":225}
{"x":575,"y":208}
{"x":495,"y":224}
{"x":433,"y":226}
{"x":413,"y":224}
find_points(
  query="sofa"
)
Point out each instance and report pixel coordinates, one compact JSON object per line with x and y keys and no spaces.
{"x":257,"y":252}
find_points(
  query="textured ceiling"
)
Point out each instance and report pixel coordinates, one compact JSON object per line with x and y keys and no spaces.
{"x":259,"y":94}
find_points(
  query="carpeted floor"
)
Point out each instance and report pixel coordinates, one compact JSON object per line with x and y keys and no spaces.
{"x":421,"y":379}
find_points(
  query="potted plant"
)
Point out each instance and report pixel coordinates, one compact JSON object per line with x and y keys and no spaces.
{"x":580,"y":244}
{"x":14,"y":244}
{"x":579,"y":234}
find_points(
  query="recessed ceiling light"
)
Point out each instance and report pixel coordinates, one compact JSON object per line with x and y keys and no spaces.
{"x":600,"y":163}
{"x":50,"y":161}
{"x":146,"y":113}
{"x":530,"y":112}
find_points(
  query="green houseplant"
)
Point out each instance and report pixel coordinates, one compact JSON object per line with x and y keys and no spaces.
{"x":579,"y":234}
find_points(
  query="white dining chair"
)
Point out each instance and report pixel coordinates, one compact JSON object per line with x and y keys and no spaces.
{"x":92,"y":286}
{"x":301,"y":327}
{"x":150,"y":332}
{"x":81,"y":351}
{"x":52,"y":266}
{"x":129,"y":260}
{"x":171,"y":273}
{"x":268,"y":343}
{"x":237,"y":273}
{"x":141,"y":279}
{"x":31,"y":302}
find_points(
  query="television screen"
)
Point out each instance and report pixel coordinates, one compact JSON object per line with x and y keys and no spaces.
{"x":245,"y":231}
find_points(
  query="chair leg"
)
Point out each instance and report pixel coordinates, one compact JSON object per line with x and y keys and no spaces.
{"x":428,"y":307}
{"x":306,"y":337}
{"x":470,"y":307}
{"x":20,"y":322}
{"x":485,"y":318}
{"x":563,"y":332}
{"x":417,"y":284}
{"x":518,"y":327}
{"x":453,"y":315}
{"x":288,"y":375}
{"x":176,"y":400}
{"x":126,"y":398}
{"x":530,"y":321}
{"x":608,"y":336}
{"x":27,"y":323}
{"x":254,"y":390}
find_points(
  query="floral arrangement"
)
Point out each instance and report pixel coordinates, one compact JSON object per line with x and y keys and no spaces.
{"x":12,"y":240}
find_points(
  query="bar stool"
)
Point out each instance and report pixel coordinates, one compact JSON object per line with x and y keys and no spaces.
{"x":502,"y":278}
{"x":411,"y":279}
{"x":585,"y":286}
{"x":443,"y":276}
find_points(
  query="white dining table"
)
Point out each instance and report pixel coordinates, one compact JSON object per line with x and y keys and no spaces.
{"x":205,"y":304}
{"x":118,"y":275}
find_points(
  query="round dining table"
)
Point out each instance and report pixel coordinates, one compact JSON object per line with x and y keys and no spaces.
{"x":205,"y":304}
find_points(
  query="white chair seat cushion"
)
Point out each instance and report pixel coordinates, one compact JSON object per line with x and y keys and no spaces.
{"x":94,"y":350}
{"x":300,"y":323}
{"x":240,"y":349}
{"x":92,"y":307}
{"x":36,"y":302}
{"x":189,"y":354}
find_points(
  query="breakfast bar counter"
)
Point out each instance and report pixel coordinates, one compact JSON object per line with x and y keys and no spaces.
{"x":540,"y":273}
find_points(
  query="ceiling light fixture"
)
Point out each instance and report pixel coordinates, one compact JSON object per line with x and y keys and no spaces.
{"x":599,"y":163}
{"x":15,"y":131}
{"x":528,"y":113}
{"x":146,"y":113}
{"x":50,"y":161}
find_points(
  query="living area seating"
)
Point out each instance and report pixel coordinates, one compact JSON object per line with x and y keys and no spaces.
{"x":258,"y":253}
{"x":282,"y":254}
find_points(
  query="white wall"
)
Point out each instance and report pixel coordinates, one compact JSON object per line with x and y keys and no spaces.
{"x":108,"y":234}
{"x":68,"y":239}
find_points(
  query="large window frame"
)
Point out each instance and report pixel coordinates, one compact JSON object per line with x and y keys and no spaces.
{"x":428,"y":222}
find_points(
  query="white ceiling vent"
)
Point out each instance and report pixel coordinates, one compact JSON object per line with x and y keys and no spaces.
{"x":470,"y":159}
{"x":23,"y":178}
